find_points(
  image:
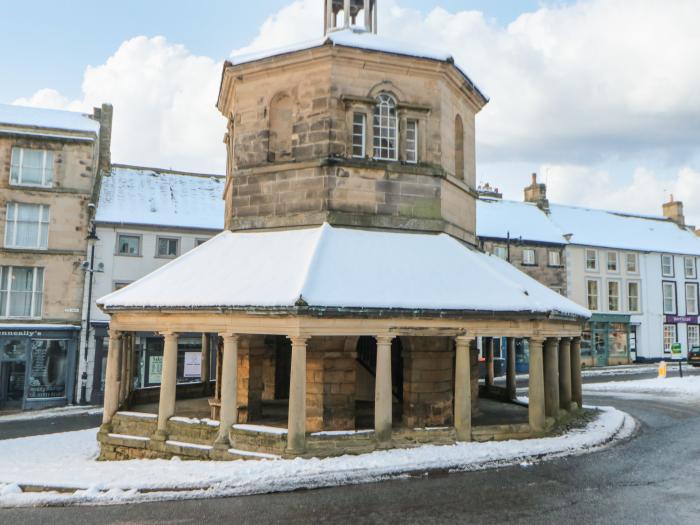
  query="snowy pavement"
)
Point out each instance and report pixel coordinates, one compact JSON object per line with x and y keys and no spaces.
{"x":66,"y":463}
{"x":51,"y":413}
{"x":688,"y":386}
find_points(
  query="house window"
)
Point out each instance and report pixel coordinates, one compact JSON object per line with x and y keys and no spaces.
{"x":613,"y":296}
{"x":612,"y":261}
{"x":591,"y":260}
{"x":21,"y":292}
{"x":669,"y":337}
{"x":667,"y":265}
{"x":118,"y":285}
{"x":199,"y":242}
{"x":27,"y":226}
{"x":167,"y":247}
{"x":501,"y":252}
{"x":693,"y":336}
{"x":129,"y":245}
{"x":633,"y":296}
{"x":412,"y":141}
{"x":631,"y":263}
{"x":691,"y":298}
{"x":592,"y":294}
{"x":691,"y":271}
{"x":359,"y":131}
{"x":669,"y":294}
{"x":31,"y":167}
{"x":385,"y":128}
{"x":554,"y":257}
{"x":529,"y":257}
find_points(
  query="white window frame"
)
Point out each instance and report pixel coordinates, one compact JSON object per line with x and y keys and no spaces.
{"x":694,"y":339}
{"x":595,"y":260}
{"x":597,"y":295}
{"x":525,"y":260}
{"x":630,"y":307}
{"x":412,"y":143}
{"x":632,"y":257}
{"x":11,"y":226}
{"x":609,"y":296}
{"x":672,"y":272}
{"x":140,"y":248}
{"x":612,"y":257}
{"x":46,"y":168}
{"x":159,"y":255}
{"x":691,"y":299}
{"x":359,"y":140}
{"x":386,"y":146}
{"x":669,"y":285}
{"x":693,"y":267}
{"x":36,"y":307}
{"x":556,"y":254}
{"x":670,"y":336}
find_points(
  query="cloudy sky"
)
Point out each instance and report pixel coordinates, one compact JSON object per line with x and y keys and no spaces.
{"x":600,"y":97}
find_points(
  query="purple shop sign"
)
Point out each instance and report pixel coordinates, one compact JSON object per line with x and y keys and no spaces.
{"x":688,"y":319}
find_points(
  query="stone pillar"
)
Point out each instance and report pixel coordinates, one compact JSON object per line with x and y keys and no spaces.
{"x":124,"y":359}
{"x":565,"y":373}
{"x":463,"y":391}
{"x":510,"y":369}
{"x":383,"y":395}
{"x":205,"y":371}
{"x":296,"y":425}
{"x":576,"y":388}
{"x":229,"y":389}
{"x":536,"y":409}
{"x":168,"y":386}
{"x":111,"y":398}
{"x":488,"y":354}
{"x":551,"y":377}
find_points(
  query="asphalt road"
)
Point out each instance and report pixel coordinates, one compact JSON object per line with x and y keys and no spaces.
{"x":36,"y":427}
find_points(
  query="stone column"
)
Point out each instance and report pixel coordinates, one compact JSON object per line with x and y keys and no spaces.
{"x":551,"y":377}
{"x":111,"y":398}
{"x":576,"y":388}
{"x":463,"y":391}
{"x":168,"y":385}
{"x":204,"y":367}
{"x":536,"y":408}
{"x":383,"y":396}
{"x":565,"y":373}
{"x":123,"y":373}
{"x":296,"y":424}
{"x":510,"y":369}
{"x":229,"y":389}
{"x":488,"y":354}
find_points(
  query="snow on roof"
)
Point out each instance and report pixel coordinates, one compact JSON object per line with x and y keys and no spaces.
{"x":47,"y":118}
{"x":357,"y":39}
{"x":145,"y":196}
{"x":340,"y":268}
{"x":523,"y":220}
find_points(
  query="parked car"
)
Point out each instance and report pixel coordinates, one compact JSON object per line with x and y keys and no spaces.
{"x":694,"y":356}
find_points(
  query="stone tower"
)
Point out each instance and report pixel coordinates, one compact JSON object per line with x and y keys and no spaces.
{"x":351,"y":130}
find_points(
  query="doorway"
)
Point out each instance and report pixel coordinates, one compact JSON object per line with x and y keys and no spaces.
{"x":12,"y":376}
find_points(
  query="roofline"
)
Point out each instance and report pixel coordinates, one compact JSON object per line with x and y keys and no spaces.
{"x":168,"y":171}
{"x":159,"y":227}
{"x":26,"y":129}
{"x":515,"y":240}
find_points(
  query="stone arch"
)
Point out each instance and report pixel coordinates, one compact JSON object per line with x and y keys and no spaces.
{"x":281,"y":123}
{"x":389,"y":87}
{"x":459,"y":148}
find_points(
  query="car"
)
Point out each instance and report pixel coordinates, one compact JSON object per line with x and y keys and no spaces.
{"x":694,"y":356}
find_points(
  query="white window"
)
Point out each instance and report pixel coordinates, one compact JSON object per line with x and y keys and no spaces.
{"x":613,"y":296}
{"x":631,"y":263}
{"x":592,"y":294}
{"x":591,"y":260}
{"x":529,"y":257}
{"x":667,"y":265}
{"x":691,"y":298}
{"x":128,"y":245}
{"x":359,"y":132}
{"x":633,"y":296}
{"x":412,"y":141}
{"x":31,"y":167}
{"x":27,"y":226}
{"x":612,"y":261}
{"x":691,"y":271}
{"x":554,"y":258}
{"x":669,"y":292}
{"x":21,"y":292}
{"x":500,"y":251}
{"x":385,"y":128}
{"x":669,"y":337}
{"x":167,"y":247}
{"x":693,"y":336}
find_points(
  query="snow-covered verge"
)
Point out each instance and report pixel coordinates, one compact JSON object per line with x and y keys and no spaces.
{"x":67,"y":461}
{"x":51,"y":413}
{"x":688,"y":386}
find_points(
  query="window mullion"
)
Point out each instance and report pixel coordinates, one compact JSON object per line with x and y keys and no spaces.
{"x":33,"y":301}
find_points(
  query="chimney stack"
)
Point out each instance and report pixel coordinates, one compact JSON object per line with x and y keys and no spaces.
{"x":674,"y":210}
{"x":537,"y":194}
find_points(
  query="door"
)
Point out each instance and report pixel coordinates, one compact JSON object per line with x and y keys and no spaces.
{"x":12,"y":376}
{"x":601,"y":347}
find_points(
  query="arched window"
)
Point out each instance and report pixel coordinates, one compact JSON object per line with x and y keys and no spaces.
{"x":459,"y":148}
{"x":385,"y":128}
{"x":280,"y":128}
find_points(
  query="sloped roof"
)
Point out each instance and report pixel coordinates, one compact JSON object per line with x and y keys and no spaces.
{"x":152,"y":197}
{"x":522,"y":220}
{"x":47,"y":119}
{"x":327,"y":267}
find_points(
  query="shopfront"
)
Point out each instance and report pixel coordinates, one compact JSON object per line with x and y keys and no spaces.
{"x":606,"y":340}
{"x":36,"y":366}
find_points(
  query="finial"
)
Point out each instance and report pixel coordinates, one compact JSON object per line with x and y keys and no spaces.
{"x":345,"y":14}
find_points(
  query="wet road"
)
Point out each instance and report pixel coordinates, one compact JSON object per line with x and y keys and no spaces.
{"x":653,"y":478}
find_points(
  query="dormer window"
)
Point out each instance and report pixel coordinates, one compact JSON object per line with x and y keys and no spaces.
{"x":385,"y":128}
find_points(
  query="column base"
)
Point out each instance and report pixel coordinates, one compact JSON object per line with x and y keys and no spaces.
{"x":105,"y":428}
{"x":160,"y":435}
{"x":294,"y":452}
{"x":222,"y":443}
{"x":464,"y":436}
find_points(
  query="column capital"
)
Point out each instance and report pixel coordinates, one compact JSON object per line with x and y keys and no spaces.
{"x":565,"y":340}
{"x":465,"y":340}
{"x":168,"y":333}
{"x":384,"y":339}
{"x":536,"y":340}
{"x":115,"y":334}
{"x":230,"y":337}
{"x":299,"y":340}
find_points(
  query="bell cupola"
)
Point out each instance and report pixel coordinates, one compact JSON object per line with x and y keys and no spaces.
{"x":351,"y":14}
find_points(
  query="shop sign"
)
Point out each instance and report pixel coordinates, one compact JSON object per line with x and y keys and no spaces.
{"x":193,"y":364}
{"x":155,"y":368}
{"x":676,"y":351}
{"x":19,"y":333}
{"x":688,"y":319}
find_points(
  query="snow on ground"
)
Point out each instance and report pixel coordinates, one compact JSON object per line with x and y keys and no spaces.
{"x":68,"y":461}
{"x":688,"y":386}
{"x":51,"y":413}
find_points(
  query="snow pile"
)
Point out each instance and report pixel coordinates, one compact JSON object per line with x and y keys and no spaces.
{"x":522,"y":220}
{"x":47,"y":118}
{"x":68,"y":461}
{"x":688,"y":386}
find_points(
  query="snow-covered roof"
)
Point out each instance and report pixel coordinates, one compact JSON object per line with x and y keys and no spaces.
{"x":328,"y":267}
{"x":151,"y":197}
{"x":47,"y":119}
{"x":359,"y":39}
{"x":522,"y":220}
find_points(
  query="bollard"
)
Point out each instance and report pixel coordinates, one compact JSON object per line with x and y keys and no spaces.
{"x":662,"y":369}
